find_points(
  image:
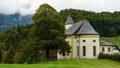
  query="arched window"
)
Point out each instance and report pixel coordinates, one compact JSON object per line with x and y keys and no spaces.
{"x":94,"y":50}
{"x":103,"y":49}
{"x":108,"y":49}
{"x":84,"y":50}
{"x":78,"y":51}
{"x":77,"y":41}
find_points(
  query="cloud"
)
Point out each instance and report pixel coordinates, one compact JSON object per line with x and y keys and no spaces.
{"x":27,"y":7}
{"x":8,"y":6}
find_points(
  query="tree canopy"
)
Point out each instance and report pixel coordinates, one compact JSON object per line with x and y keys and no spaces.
{"x":48,"y":30}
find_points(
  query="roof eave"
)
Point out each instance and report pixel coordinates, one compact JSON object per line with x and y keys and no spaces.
{"x":109,"y":45}
{"x":87,"y":34}
{"x":80,"y":34}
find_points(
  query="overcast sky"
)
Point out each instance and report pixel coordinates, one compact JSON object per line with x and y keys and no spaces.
{"x":27,"y":7}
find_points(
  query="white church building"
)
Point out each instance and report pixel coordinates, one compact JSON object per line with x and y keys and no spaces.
{"x":85,"y":42}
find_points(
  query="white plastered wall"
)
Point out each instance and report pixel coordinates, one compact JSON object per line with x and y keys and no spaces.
{"x":89,"y":46}
{"x":106,"y":49}
{"x":67,"y":26}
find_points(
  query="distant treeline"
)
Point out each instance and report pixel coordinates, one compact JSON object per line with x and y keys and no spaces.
{"x":104,"y":22}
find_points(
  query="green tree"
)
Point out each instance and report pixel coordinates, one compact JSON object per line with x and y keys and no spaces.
{"x":9,"y":56}
{"x":48,"y":30}
{"x":18,"y":57}
{"x":2,"y":47}
{"x":112,"y":32}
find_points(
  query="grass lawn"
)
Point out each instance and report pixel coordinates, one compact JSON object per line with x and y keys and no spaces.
{"x":81,"y":63}
{"x":113,"y":40}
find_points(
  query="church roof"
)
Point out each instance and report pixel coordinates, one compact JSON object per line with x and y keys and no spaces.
{"x":81,"y":28}
{"x":104,"y":43}
{"x":69,"y":20}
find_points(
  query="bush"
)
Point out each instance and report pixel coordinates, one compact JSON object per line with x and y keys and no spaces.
{"x":115,"y":57}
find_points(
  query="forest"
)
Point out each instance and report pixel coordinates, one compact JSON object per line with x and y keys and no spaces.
{"x":107,"y":24}
{"x":30,"y":43}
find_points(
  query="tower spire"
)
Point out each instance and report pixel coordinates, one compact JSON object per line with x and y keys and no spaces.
{"x":69,"y":22}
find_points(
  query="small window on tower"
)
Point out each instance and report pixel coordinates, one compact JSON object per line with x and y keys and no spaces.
{"x":84,"y":41}
{"x":94,"y":40}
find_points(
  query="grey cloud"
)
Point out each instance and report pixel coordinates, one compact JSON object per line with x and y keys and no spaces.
{"x":27,"y":7}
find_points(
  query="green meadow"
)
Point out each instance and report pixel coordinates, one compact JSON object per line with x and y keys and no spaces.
{"x":113,"y":40}
{"x":76,"y":63}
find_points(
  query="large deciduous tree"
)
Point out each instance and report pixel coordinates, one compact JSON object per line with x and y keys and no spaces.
{"x":48,"y":31}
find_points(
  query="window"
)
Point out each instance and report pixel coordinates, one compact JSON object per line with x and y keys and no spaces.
{"x":77,"y":50}
{"x":94,"y":50}
{"x":84,"y":51}
{"x":77,"y":41}
{"x":94,"y":40}
{"x":108,"y":49}
{"x":103,"y":49}
{"x":84,"y":41}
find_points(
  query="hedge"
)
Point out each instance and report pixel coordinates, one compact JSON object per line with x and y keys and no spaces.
{"x":115,"y":57}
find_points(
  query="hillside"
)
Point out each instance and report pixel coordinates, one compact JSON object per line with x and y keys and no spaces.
{"x":102,"y":22}
{"x":81,"y":63}
{"x":9,"y":21}
{"x":113,"y":40}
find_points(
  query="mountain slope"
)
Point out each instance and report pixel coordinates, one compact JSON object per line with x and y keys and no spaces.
{"x":9,"y":21}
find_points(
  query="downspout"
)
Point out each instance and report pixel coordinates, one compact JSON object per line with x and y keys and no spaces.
{"x":79,"y":47}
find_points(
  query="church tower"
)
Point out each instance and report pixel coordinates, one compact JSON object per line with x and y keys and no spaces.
{"x":69,"y":22}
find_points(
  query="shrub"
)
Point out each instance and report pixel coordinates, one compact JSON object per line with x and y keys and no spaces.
{"x":115,"y":57}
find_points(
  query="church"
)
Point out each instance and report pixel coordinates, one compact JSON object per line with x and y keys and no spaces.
{"x":85,"y":42}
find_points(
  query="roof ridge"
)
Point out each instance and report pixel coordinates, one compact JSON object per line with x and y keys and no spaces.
{"x":78,"y":28}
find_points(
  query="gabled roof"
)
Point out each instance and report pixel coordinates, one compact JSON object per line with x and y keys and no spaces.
{"x":81,"y":28}
{"x":69,"y":20}
{"x":104,"y":43}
